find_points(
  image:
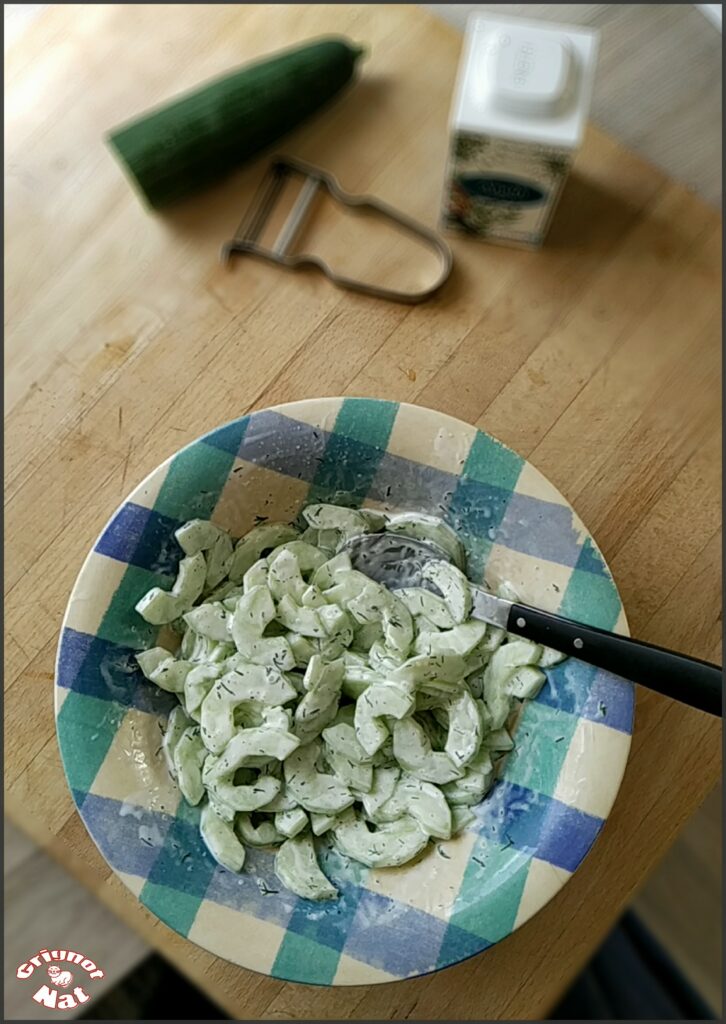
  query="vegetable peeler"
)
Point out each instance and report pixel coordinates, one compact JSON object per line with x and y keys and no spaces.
{"x":247,"y":238}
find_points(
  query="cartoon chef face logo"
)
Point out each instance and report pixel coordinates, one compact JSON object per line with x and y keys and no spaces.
{"x":60,"y":978}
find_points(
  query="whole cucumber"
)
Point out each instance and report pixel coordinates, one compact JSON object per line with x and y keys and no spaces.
{"x":196,"y":138}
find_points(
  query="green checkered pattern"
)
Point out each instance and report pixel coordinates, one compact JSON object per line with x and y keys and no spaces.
{"x":530,"y":833}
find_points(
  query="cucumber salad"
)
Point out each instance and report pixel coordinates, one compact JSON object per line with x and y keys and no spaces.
{"x":315,"y":702}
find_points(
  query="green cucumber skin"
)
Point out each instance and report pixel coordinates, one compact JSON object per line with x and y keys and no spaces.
{"x":195,"y":139}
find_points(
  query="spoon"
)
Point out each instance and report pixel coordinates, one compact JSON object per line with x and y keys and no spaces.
{"x":397,"y":561}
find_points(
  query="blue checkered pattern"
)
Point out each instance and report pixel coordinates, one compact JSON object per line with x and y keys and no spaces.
{"x":532,"y":831}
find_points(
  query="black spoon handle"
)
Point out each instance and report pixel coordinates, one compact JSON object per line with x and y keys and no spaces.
{"x":688,"y":680}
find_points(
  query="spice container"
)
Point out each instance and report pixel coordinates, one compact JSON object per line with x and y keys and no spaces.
{"x":517,"y":120}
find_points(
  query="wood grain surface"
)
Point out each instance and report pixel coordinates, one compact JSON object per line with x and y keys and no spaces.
{"x":598,"y":358}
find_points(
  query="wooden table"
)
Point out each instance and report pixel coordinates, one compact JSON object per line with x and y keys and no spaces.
{"x":597,"y":358}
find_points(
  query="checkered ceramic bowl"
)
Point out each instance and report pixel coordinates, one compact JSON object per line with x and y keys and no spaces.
{"x":531,"y":832}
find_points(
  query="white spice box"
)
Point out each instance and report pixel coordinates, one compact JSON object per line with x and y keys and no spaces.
{"x":517,"y":120}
